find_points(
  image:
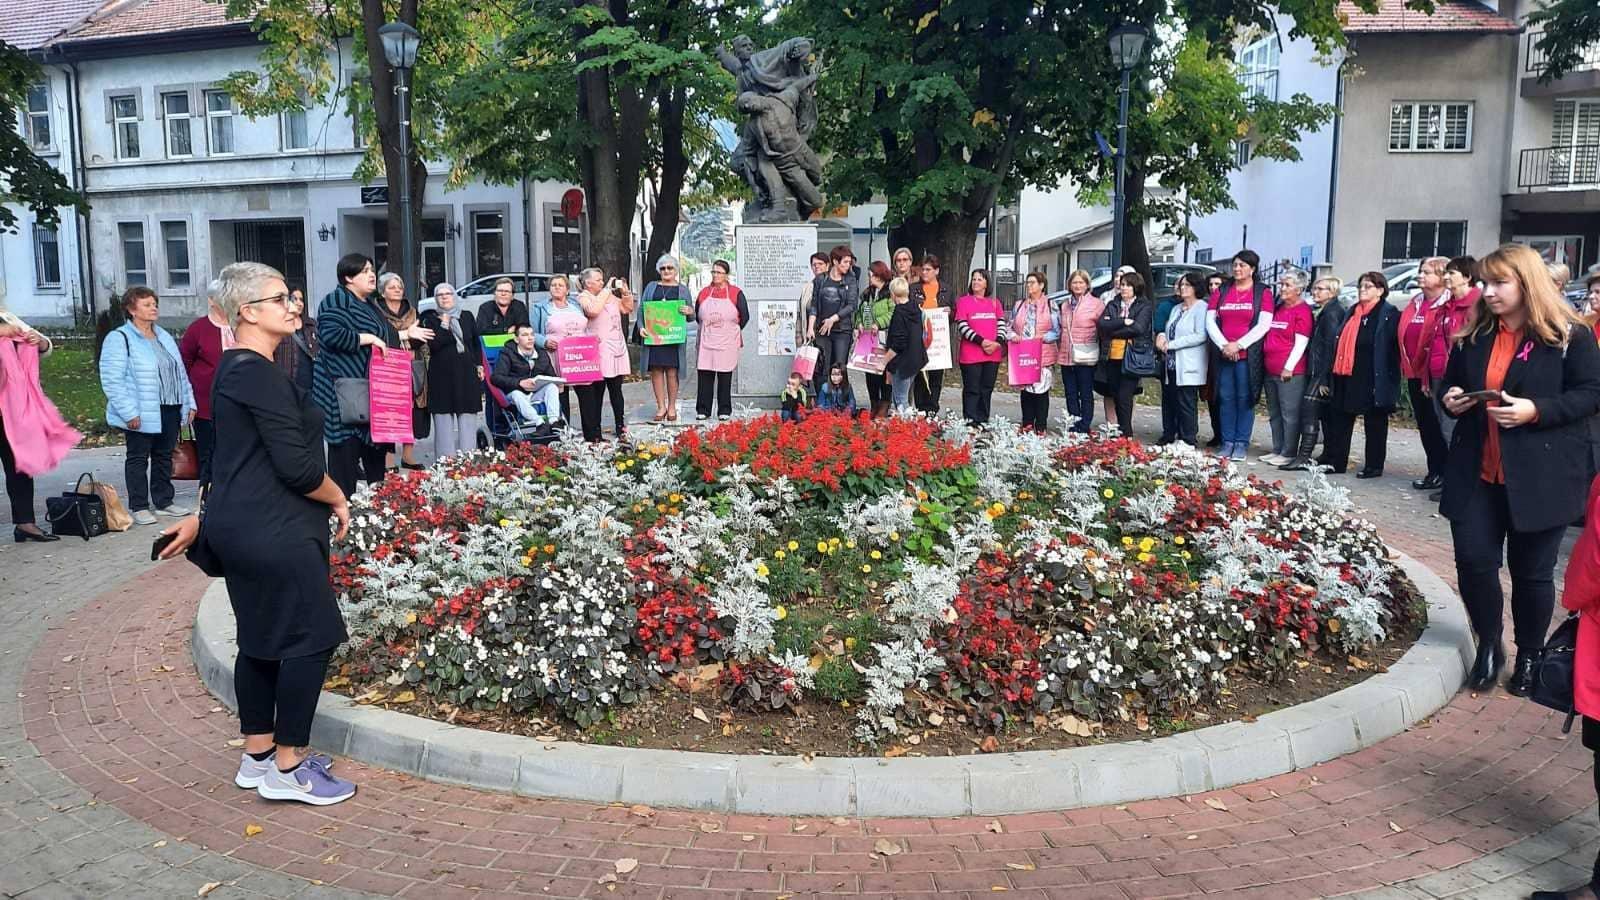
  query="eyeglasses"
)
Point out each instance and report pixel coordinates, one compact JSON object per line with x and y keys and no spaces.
{"x":283,"y":300}
{"x":667,"y":269}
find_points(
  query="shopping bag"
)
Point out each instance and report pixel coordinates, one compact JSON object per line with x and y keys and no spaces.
{"x":805,"y":362}
{"x":1022,"y":361}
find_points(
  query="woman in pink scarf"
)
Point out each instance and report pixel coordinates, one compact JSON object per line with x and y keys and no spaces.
{"x":33,"y":439}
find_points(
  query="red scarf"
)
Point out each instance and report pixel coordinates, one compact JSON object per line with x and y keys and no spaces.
{"x":1344,"y":359}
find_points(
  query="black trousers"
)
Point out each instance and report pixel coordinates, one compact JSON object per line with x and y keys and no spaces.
{"x":1035,"y":410}
{"x":591,"y":404}
{"x":1341,"y":425}
{"x":719,"y":382}
{"x":977,"y":389}
{"x":1180,"y":413}
{"x":356,"y":460}
{"x":834,"y":347}
{"x":279,"y":696}
{"x":205,"y":440}
{"x":877,"y":389}
{"x":19,"y":487}
{"x":1214,"y":412}
{"x":925,"y":391}
{"x":147,"y":468}
{"x":1433,"y":445}
{"x":1591,"y":741}
{"x":1481,"y":533}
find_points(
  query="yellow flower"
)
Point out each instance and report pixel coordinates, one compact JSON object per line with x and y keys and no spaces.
{"x":1161,"y":482}
{"x":1024,"y":495}
{"x":1145,"y":557}
{"x":661,"y":508}
{"x":1178,"y":540}
{"x":621,"y":466}
{"x":505,"y":523}
{"x":1108,"y":493}
{"x":894,"y":536}
{"x":674,"y":498}
{"x":644,"y":454}
{"x":844,"y":704}
{"x":761,"y":569}
{"x":922,"y":494}
{"x":1185,"y":554}
{"x":549,"y":548}
{"x":794,"y":545}
{"x":833,"y":542}
{"x":865,"y":568}
{"x":822,"y":546}
{"x":1147,"y":544}
{"x":411,"y":618}
{"x":780,"y":613}
{"x":849,"y":643}
{"x":876,"y":555}
{"x":850,"y":544}
{"x":780,"y":554}
{"x":1127,"y":541}
{"x":924,"y":508}
{"x":526,"y":561}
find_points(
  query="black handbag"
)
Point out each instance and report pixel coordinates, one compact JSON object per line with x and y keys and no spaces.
{"x":200,"y":552}
{"x":1552,"y":671}
{"x":1139,"y":360}
{"x":77,"y":513}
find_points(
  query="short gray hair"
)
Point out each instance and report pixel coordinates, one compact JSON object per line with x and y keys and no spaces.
{"x":667,"y":259}
{"x":213,"y":288}
{"x":1296,"y":277}
{"x":385,"y":278}
{"x":583,"y":277}
{"x":240,"y":284}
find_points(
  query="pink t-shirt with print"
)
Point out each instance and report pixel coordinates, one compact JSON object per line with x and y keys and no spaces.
{"x":1233,"y":308}
{"x":1287,"y":322}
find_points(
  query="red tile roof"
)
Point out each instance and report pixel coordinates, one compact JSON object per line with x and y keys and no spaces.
{"x":1393,"y":17}
{"x":30,"y":24}
{"x":131,"y":18}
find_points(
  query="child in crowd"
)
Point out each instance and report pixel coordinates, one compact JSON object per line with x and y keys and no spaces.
{"x":836,"y":395}
{"x":794,"y":398}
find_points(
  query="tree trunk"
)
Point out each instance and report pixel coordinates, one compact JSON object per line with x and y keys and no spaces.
{"x":1135,"y":250}
{"x":674,"y":168}
{"x":373,"y":17}
{"x":610,"y":187}
{"x":951,"y":237}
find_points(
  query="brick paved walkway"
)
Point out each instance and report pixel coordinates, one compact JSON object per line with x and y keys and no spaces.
{"x":1485,"y":800}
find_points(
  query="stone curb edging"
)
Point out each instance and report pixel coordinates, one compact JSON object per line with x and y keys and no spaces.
{"x":1416,"y":686}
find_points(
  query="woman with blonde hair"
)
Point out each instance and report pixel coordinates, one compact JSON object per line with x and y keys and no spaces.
{"x":1079,"y":352}
{"x":1521,"y":384}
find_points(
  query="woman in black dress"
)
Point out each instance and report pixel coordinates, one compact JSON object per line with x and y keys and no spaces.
{"x":1366,"y":378}
{"x":266,"y":525}
{"x":664,"y":362}
{"x":1124,"y":325}
{"x":455,"y":374}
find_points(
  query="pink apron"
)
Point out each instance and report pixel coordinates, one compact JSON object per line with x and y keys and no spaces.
{"x":566,"y":321}
{"x":613,"y":346}
{"x":720,"y":335}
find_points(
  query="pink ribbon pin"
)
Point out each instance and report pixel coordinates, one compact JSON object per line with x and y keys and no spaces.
{"x":1526,"y":349}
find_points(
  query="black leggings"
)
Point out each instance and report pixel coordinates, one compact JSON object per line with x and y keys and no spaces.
{"x":1035,"y":410}
{"x":1433,"y":445}
{"x":719,"y":382}
{"x":591,"y":398}
{"x":19,"y":487}
{"x":877,"y":390}
{"x":925,"y":390}
{"x":1479,"y":532}
{"x":977,"y":389}
{"x":279,"y":696}
{"x":1341,"y":425}
{"x":356,"y":460}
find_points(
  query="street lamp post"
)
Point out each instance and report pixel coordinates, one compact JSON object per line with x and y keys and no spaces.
{"x":400,"y":49}
{"x":1127,"y":48}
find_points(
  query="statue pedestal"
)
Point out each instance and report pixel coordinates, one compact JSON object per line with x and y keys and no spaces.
{"x":771,"y":265}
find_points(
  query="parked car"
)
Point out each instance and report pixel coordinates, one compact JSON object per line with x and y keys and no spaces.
{"x":1577,"y":293}
{"x":1166,"y":277}
{"x":525,"y":287}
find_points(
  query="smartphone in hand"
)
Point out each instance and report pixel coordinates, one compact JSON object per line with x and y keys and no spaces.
{"x":162,"y":542}
{"x":1485,"y":396}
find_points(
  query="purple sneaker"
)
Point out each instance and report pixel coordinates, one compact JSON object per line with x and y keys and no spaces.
{"x":309,"y":782}
{"x":251,"y":772}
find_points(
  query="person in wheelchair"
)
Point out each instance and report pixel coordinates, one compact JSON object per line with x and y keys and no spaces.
{"x":516,"y":372}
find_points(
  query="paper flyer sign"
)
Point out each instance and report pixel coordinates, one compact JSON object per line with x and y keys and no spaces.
{"x":936,"y":337}
{"x":389,"y":401}
{"x":776,"y":322}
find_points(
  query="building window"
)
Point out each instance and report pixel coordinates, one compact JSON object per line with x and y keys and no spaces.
{"x":219,"y":123}
{"x":296,"y":136}
{"x":1410,"y":241}
{"x":488,"y":243}
{"x":1203,"y":255}
{"x":566,"y":243}
{"x":1258,"y":69}
{"x":1092,"y":260}
{"x":1241,"y":153}
{"x":46,"y":257}
{"x":134,"y":268}
{"x":175,"y":240}
{"x":125,"y":121}
{"x":180,"y":135}
{"x":37,"y":121}
{"x":380,"y":244}
{"x":1430,"y":127}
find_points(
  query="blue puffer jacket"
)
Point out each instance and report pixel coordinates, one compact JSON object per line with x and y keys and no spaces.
{"x":131,"y":379}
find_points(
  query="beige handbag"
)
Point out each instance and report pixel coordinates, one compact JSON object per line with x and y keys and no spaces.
{"x":117,"y":516}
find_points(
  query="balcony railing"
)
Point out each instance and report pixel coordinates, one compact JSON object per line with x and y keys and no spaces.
{"x":1556,"y":168}
{"x":1260,"y":83}
{"x":1538,"y":59}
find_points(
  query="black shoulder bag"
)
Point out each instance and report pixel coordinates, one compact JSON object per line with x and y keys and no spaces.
{"x":1552,"y":671}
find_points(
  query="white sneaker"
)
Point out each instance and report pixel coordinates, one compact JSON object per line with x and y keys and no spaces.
{"x":174,"y":510}
{"x":1273,"y":459}
{"x":144,"y":517}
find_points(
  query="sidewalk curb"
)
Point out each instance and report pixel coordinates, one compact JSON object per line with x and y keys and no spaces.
{"x":1415,"y":687}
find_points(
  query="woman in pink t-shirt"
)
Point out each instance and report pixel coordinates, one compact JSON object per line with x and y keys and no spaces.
{"x":1240,"y":316}
{"x":981,"y":324}
{"x":1413,"y":344}
{"x":1283,"y":356}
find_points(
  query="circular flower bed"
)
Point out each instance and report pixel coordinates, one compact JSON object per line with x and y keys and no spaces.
{"x":919,"y":574}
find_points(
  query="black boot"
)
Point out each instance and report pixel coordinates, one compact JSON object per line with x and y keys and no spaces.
{"x":1520,"y":684}
{"x":1486,"y":667}
{"x":1586,"y":892}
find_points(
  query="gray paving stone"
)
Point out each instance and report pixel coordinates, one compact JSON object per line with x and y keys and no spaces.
{"x":1448,"y":882}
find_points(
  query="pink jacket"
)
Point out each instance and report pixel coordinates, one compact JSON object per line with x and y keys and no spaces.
{"x":1080,"y":325}
{"x":39,"y":438}
{"x":1581,"y":593}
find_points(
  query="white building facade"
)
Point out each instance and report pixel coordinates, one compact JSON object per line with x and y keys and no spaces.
{"x":180,"y":183}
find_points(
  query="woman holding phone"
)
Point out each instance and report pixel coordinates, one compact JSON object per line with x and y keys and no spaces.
{"x":1521,"y":384}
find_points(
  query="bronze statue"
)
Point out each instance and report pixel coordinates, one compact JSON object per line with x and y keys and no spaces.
{"x":776,"y":90}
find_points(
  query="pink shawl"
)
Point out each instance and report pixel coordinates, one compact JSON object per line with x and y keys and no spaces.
{"x":39,"y":438}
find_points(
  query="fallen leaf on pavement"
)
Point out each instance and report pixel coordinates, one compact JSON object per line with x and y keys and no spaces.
{"x":701,"y":715}
{"x":1395,"y":828}
{"x":626,"y":864}
{"x":1020,"y":867}
{"x":995,"y":826}
{"x":886,"y":847}
{"x":207,"y":888}
{"x":1214,"y":803}
{"x":252,"y":830}
{"x":710,"y":827}
{"x":642,"y":811}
